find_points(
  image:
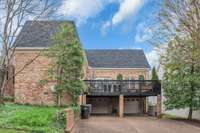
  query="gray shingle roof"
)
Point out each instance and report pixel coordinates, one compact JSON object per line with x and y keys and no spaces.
{"x":133,"y":58}
{"x":38,"y":33}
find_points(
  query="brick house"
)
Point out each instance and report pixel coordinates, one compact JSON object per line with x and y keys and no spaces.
{"x":111,"y":96}
{"x":106,"y":94}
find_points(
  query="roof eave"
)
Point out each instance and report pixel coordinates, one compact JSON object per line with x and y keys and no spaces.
{"x":103,"y":68}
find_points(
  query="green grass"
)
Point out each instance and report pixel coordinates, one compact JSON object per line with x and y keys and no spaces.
{"x":168,"y":116}
{"x":28,"y":118}
{"x":3,"y":130}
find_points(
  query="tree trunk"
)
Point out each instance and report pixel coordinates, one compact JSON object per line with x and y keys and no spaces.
{"x":191,"y":95}
{"x":2,"y":87}
{"x":190,"y":113}
{"x":1,"y":100}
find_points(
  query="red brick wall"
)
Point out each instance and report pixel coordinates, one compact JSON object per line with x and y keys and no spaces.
{"x":27,"y":82}
{"x":112,"y":73}
{"x":70,"y":119}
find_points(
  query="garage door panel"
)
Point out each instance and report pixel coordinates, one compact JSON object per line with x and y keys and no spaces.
{"x":132,"y":106}
{"x":100,"y":105}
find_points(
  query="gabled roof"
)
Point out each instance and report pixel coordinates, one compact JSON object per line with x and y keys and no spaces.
{"x":38,"y":33}
{"x":114,"y":58}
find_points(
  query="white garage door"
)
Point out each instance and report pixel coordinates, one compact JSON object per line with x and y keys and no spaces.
{"x":132,"y":106}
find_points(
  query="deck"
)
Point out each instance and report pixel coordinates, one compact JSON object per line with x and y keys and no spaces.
{"x":123,"y":87}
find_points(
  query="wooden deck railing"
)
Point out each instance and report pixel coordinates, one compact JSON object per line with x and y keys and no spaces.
{"x":127,"y":87}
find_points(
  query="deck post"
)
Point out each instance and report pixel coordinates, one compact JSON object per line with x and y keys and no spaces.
{"x":83,"y":99}
{"x":121,"y":106}
{"x":145,"y":105}
{"x":80,"y":101}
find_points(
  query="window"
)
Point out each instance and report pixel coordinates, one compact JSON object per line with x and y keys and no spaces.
{"x":141,"y":77}
{"x":119,"y":77}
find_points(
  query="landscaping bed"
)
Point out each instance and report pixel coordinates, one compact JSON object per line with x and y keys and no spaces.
{"x":28,"y":118}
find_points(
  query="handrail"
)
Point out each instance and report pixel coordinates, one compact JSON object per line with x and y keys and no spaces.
{"x":124,"y":86}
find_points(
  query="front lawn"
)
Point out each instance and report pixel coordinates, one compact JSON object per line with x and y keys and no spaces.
{"x":28,"y":118}
{"x":167,"y":116}
{"x":3,"y":130}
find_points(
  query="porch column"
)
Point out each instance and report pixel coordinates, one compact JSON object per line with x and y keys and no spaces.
{"x":145,"y":105}
{"x":83,"y":99}
{"x":159,"y":106}
{"x":121,"y":106}
{"x":80,"y":101}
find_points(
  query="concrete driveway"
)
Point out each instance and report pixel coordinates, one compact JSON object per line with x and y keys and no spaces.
{"x":132,"y":125}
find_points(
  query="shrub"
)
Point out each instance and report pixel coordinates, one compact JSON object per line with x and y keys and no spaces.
{"x":141,"y":77}
{"x":8,"y":98}
{"x":60,"y":120}
{"x":60,"y":117}
{"x":76,"y":109}
{"x":119,"y":77}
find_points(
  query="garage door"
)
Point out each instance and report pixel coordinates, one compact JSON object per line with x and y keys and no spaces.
{"x":132,"y":106}
{"x":100,"y":105}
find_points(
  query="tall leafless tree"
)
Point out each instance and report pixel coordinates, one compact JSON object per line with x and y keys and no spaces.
{"x":177,"y":23}
{"x":176,"y":18}
{"x":13,"y":14}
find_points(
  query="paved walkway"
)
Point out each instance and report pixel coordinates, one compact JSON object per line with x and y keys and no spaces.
{"x":132,"y":125}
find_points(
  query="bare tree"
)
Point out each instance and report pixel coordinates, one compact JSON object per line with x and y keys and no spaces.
{"x":177,"y":25}
{"x":176,"y":18}
{"x":13,"y":14}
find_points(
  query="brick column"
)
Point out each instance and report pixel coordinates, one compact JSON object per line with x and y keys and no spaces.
{"x":145,"y":105}
{"x":80,"y":101}
{"x":159,"y":106}
{"x":121,"y":106}
{"x":83,"y":99}
{"x":69,"y":120}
